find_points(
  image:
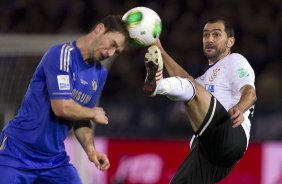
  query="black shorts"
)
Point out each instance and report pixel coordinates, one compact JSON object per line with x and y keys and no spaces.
{"x":215,"y":150}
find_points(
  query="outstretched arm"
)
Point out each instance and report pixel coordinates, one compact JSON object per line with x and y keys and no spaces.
{"x":248,"y":98}
{"x":83,"y":131}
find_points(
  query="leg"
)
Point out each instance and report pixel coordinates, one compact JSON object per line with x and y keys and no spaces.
{"x":196,"y":168}
{"x":195,"y":97}
{"x":215,"y":150}
{"x":224,"y":144}
{"x":65,"y":174}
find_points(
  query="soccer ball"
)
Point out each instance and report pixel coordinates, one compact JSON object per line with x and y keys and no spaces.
{"x":144,"y":25}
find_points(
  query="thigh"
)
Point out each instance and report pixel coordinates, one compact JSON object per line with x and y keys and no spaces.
{"x":224,"y":144}
{"x":63,"y":175}
{"x":195,"y":169}
{"x":16,"y":176}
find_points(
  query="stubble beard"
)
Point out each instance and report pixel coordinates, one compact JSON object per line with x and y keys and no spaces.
{"x":216,"y":55}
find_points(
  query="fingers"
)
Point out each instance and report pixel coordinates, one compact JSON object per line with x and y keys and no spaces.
{"x":100,"y":116}
{"x":236,"y":116}
{"x":96,"y":162}
{"x":104,"y":162}
{"x":100,"y":160}
{"x":237,"y":122}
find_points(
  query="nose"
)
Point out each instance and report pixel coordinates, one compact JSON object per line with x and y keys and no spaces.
{"x":208,"y":38}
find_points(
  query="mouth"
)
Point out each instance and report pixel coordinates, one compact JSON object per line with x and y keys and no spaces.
{"x":210,"y":48}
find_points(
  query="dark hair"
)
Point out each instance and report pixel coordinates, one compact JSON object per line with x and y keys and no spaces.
{"x":114,"y":23}
{"x":227,"y":25}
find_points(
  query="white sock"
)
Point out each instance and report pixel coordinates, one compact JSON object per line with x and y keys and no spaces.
{"x":177,"y":89}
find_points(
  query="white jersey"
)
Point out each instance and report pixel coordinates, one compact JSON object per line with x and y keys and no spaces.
{"x":224,"y":80}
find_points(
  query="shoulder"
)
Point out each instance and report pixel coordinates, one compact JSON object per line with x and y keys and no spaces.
{"x":240,"y":65}
{"x":237,"y":58}
{"x":58,"y":56}
{"x":60,"y":49}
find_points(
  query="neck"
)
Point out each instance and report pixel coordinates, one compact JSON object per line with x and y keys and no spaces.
{"x":214,"y":60}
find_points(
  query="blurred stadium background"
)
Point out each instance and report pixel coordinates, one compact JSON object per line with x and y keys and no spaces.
{"x":147,"y":138}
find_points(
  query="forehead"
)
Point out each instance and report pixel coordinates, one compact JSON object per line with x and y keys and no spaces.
{"x":117,"y":37}
{"x":214,"y":26}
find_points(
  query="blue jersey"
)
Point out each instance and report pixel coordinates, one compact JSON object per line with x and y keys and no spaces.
{"x":36,"y":133}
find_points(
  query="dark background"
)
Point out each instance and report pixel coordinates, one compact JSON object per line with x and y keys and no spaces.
{"x":258,"y":27}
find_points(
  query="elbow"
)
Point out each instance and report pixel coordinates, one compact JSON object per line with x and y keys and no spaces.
{"x":60,"y":108}
{"x":254,"y":96}
{"x":61,"y":113}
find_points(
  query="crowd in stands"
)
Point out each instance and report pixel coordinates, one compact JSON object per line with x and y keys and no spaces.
{"x":258,"y":32}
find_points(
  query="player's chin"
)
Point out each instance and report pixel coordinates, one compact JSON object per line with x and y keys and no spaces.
{"x":209,"y":52}
{"x":210,"y":55}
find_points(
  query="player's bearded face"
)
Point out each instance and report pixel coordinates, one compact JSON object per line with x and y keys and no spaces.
{"x":215,"y":51}
{"x":215,"y":41}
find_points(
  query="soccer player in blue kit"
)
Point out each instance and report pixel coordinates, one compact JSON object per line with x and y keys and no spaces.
{"x":61,"y":95}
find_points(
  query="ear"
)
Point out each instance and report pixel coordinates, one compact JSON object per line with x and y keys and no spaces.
{"x":230,"y":42}
{"x":99,"y":28}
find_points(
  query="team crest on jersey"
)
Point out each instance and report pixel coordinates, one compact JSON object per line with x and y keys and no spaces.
{"x":94,"y":85}
{"x":242,"y":72}
{"x":63,"y":82}
{"x":214,"y":74}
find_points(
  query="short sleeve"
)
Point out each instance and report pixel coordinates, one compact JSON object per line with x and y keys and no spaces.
{"x":241,"y":72}
{"x":56,"y":63}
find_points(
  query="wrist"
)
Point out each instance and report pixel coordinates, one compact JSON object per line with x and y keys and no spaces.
{"x":239,"y":108}
{"x":90,"y":149}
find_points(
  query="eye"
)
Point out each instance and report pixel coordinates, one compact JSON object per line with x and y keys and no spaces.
{"x":205,"y":35}
{"x":216,"y":34}
{"x":114,"y":44}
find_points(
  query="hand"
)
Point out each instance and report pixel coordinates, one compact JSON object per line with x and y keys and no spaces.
{"x":236,"y":116}
{"x":100,"y":116}
{"x":100,"y":160}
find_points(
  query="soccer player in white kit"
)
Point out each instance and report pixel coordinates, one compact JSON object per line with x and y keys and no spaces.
{"x":218,"y":103}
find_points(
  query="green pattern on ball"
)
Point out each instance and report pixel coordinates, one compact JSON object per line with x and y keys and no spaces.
{"x":134,"y":18}
{"x":137,"y":42}
{"x":157,"y":29}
